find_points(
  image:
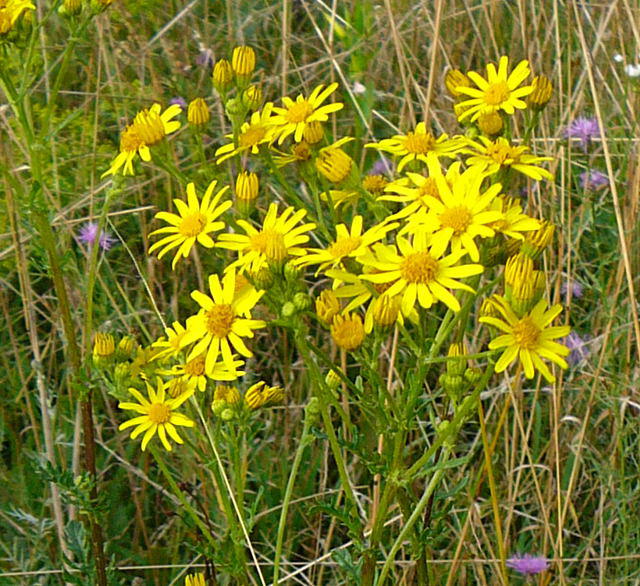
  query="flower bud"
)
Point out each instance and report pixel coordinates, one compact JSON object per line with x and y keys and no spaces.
{"x":222,"y":76}
{"x":198,"y":113}
{"x":347,"y":331}
{"x":247,"y":187}
{"x":104,"y":346}
{"x":455,"y":79}
{"x":490,"y":124}
{"x":537,"y":240}
{"x":327,"y":306}
{"x":302,"y":301}
{"x":252,"y":97}
{"x":243,"y":62}
{"x":334,"y":164}
{"x":542,"y":92}
{"x":313,"y":132}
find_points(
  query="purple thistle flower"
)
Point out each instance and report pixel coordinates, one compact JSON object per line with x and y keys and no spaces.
{"x":528,"y":564}
{"x":573,"y":286}
{"x":205,"y":58}
{"x":180,"y":101}
{"x":584,"y":129}
{"x":382,"y":166}
{"x":593,"y":180}
{"x":578,"y":347}
{"x":88,"y":235}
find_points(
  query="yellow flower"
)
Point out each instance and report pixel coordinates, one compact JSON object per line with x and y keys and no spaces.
{"x":261,"y":394}
{"x":294,"y":117}
{"x":492,"y":156}
{"x":454,"y":79}
{"x":375,"y":184}
{"x":222,"y":322}
{"x":173,"y":343}
{"x":193,"y":371}
{"x":460,"y":215}
{"x":157,"y":415}
{"x":103,"y":345}
{"x":222,"y":76}
{"x":334,"y":164}
{"x":542,"y":92}
{"x":415,"y":145}
{"x":194,"y":579}
{"x":347,"y":331}
{"x":10,"y":12}
{"x":499,"y":91}
{"x":278,"y":238}
{"x":419,"y":274}
{"x":528,"y":338}
{"x":259,"y":130}
{"x":513,"y":221}
{"x":327,"y":306}
{"x":148,"y":128}
{"x":243,"y":61}
{"x":414,"y":189}
{"x":195,"y":222}
{"x":349,"y":243}
{"x":179,"y":386}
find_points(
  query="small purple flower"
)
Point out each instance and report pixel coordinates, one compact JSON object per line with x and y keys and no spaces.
{"x":88,"y":235}
{"x":382,"y":166}
{"x":578,"y":346}
{"x":180,"y":101}
{"x":593,"y":180}
{"x":528,"y":564}
{"x":583,"y":129}
{"x":573,"y":286}
{"x":205,"y":58}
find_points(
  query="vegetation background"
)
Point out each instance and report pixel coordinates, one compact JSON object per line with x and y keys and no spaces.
{"x":566,"y":466}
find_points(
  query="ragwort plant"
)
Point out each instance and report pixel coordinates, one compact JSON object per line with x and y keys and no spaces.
{"x":376,"y":280}
{"x":406,"y":264}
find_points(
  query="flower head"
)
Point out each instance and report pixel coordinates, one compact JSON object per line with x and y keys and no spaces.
{"x":584,"y":130}
{"x":593,"y":180}
{"x":462,"y":213}
{"x":278,"y":238}
{"x":259,"y":130}
{"x":416,"y":144}
{"x":347,"y":331}
{"x":148,"y":128}
{"x":499,"y":91}
{"x":528,"y":564}
{"x":90,"y":233}
{"x":578,"y":348}
{"x":11,"y":11}
{"x":528,"y":338}
{"x":157,"y":415}
{"x":223,"y":320}
{"x":193,"y":223}
{"x":493,"y":156}
{"x":294,"y":117}
{"x":416,"y":272}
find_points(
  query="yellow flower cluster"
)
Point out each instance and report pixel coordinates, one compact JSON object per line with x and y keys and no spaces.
{"x":393,"y":247}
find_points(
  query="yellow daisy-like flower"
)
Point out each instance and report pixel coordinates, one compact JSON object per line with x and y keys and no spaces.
{"x":528,"y":338}
{"x":222,"y":322}
{"x":259,"y":130}
{"x":10,"y":12}
{"x":499,"y":91}
{"x":158,"y":415}
{"x":194,"y":579}
{"x":492,"y":156}
{"x":278,"y":238}
{"x":349,"y":243}
{"x":294,"y":117}
{"x":194,"y":371}
{"x":513,"y":221}
{"x":416,"y":144}
{"x":193,"y":224}
{"x":148,"y":128}
{"x":172,"y":344}
{"x":414,"y":271}
{"x":460,"y":215}
{"x":413,"y":189}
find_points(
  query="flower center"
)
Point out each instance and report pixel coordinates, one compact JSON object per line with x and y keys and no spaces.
{"x":178,"y":386}
{"x":344,"y":246}
{"x":419,"y":267}
{"x":419,"y":144}
{"x":159,"y":413}
{"x":149,"y":127}
{"x":131,"y":141}
{"x":497,"y":93}
{"x":299,"y":112}
{"x":195,"y":367}
{"x":429,"y":187}
{"x":252,"y":136}
{"x":192,"y":225}
{"x":374,"y":184}
{"x":220,"y":319}
{"x":270,"y":243}
{"x":301,"y":151}
{"x":526,"y":334}
{"x":501,"y":152}
{"x":459,"y":219}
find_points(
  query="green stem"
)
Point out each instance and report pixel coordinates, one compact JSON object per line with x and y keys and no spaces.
{"x":305,"y":440}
